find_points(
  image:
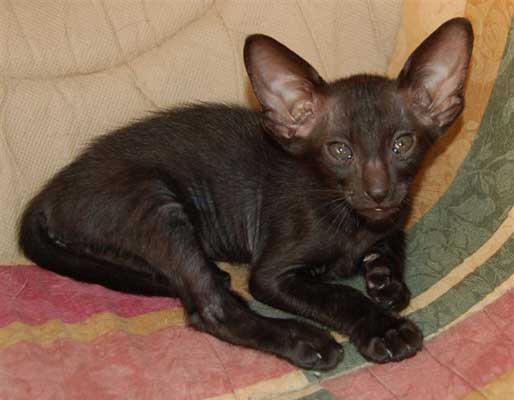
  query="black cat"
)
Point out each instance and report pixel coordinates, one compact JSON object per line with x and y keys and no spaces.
{"x":315,"y":186}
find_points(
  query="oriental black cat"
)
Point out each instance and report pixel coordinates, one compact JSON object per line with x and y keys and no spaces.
{"x":313,"y":187}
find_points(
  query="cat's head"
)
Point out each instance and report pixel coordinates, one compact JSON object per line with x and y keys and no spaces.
{"x":367,"y":133}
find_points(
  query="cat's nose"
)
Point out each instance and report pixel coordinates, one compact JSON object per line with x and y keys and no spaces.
{"x":375,"y":181}
{"x":377,"y":193}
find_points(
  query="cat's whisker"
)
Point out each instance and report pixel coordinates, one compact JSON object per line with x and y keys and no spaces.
{"x":342,"y":215}
{"x":339,"y":202}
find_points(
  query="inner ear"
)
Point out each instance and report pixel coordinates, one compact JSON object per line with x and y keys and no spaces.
{"x":434,"y":75}
{"x":288,"y":88}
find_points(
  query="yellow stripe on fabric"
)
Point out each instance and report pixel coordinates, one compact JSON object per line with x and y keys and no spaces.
{"x":294,"y":385}
{"x":470,"y":264}
{"x":500,"y":389}
{"x":18,"y":262}
{"x":239,"y":277}
{"x":228,"y":396}
{"x":300,"y":394}
{"x":291,"y":382}
{"x":96,"y":326}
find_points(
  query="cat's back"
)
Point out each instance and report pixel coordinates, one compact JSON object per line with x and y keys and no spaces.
{"x":209,"y":145}
{"x":193,"y":134}
{"x":212,"y":159}
{"x":194,"y":142}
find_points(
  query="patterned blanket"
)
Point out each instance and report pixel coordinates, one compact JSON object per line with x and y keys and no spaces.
{"x":60,"y":339}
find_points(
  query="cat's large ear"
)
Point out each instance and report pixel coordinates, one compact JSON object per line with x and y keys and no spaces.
{"x":287,"y":87}
{"x":432,"y":79}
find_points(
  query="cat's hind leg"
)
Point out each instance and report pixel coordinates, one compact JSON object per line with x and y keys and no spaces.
{"x":120,"y":271}
{"x":140,"y":237}
{"x":212,"y":307}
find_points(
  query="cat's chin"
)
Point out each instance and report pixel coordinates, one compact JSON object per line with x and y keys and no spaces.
{"x":378,"y":214}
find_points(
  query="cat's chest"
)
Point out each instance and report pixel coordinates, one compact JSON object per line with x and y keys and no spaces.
{"x":359,"y":242}
{"x":351,"y":247}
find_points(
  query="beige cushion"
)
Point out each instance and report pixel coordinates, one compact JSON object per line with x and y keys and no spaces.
{"x":72,"y":70}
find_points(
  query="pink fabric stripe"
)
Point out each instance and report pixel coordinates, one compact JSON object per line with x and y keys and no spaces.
{"x":469,"y":355}
{"x":32,"y":295}
{"x":176,"y":363}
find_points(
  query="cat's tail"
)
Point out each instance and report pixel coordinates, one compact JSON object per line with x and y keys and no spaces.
{"x":48,"y":253}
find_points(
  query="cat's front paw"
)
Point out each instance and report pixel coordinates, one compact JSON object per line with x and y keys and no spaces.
{"x":383,"y":337}
{"x":388,"y":292}
{"x":382,"y":287}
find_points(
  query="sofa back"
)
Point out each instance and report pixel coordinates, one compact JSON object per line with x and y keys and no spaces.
{"x":72,"y":70}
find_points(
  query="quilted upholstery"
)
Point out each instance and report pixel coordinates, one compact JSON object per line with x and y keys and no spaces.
{"x":71,"y":70}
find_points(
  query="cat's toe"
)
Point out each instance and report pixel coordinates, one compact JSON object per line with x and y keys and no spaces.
{"x":308,"y":355}
{"x":395,"y":295}
{"x":317,"y":351}
{"x":378,"y":278}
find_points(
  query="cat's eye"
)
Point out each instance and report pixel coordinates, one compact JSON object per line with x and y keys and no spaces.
{"x":402,"y":144}
{"x":340,"y":151}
